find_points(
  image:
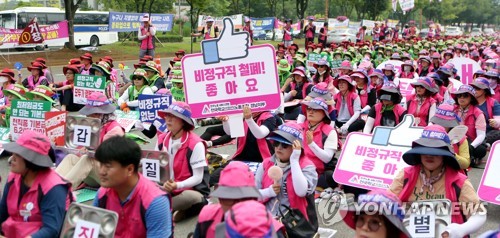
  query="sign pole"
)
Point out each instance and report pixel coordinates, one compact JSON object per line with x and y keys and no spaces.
{"x":159,"y":41}
{"x":127,"y":37}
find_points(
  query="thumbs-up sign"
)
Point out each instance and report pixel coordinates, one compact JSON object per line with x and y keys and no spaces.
{"x":229,"y":45}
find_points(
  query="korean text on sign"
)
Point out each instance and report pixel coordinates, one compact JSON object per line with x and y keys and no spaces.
{"x":86,"y":85}
{"x":28,"y":115}
{"x":150,"y":104}
{"x":223,"y":88}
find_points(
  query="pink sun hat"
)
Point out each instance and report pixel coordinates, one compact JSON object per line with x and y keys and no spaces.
{"x":32,"y":146}
{"x":445,"y":116}
{"x":236,"y":182}
{"x":97,"y":102}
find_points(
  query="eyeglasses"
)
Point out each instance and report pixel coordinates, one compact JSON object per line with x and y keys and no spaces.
{"x":373,"y":224}
{"x":463,"y":95}
{"x":283,"y":145}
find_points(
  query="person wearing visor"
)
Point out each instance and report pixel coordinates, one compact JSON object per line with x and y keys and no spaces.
{"x":209,"y":31}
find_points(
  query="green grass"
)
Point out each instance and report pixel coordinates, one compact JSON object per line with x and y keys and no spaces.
{"x":167,"y":50}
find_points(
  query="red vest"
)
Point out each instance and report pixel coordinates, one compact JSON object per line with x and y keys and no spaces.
{"x":398,"y":111}
{"x":31,"y":82}
{"x":351,"y":96}
{"x":131,"y":215}
{"x":296,"y":202}
{"x":304,"y":88}
{"x":261,"y":143}
{"x":320,"y":134}
{"x":454,"y":181}
{"x":470,"y":121}
{"x":108,"y":127}
{"x":146,"y":43}
{"x":325,"y":31}
{"x":15,"y":226}
{"x":407,"y":75}
{"x":182,"y":167}
{"x":423,"y":114}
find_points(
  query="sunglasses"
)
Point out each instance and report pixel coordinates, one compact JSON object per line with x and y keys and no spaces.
{"x":136,"y":78}
{"x":373,"y":225}
{"x":310,"y":109}
{"x":463,"y":95}
{"x":321,"y":66}
{"x":419,"y":86}
{"x":283,"y":145}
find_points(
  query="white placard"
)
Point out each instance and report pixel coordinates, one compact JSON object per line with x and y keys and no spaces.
{"x":236,"y":125}
{"x":422,"y":226}
{"x":86,"y":229}
{"x":82,"y":135}
{"x":151,"y":169}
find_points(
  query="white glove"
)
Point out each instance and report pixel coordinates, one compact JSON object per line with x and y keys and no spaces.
{"x":138,"y":125}
{"x":344,"y":128}
{"x":454,"y":231}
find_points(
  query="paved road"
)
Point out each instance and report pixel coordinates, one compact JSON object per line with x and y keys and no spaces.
{"x":184,"y":227}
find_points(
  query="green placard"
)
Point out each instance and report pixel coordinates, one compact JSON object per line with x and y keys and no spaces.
{"x":4,"y":134}
{"x":90,"y":81}
{"x":30,"y":109}
{"x":130,"y":115}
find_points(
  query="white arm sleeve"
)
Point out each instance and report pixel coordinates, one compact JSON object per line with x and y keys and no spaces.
{"x":353,"y":118}
{"x":225,"y":126}
{"x":135,"y":103}
{"x":258,"y":131}
{"x":152,"y":30}
{"x":301,"y":119}
{"x":472,"y":225}
{"x":481,"y":135}
{"x":369,"y":125}
{"x":298,"y":179}
{"x":366,"y":109}
{"x":197,"y":162}
{"x":287,"y":97}
{"x":124,"y":97}
{"x":139,"y":35}
{"x":324,"y":155}
{"x":432,"y":111}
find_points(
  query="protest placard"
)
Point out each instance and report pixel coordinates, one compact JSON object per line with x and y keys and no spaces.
{"x":372,"y":161}
{"x":150,"y":104}
{"x":55,"y":127}
{"x":218,"y":21}
{"x":86,"y":85}
{"x":126,"y":120}
{"x":131,"y":21}
{"x":4,"y":137}
{"x":489,"y":187}
{"x":428,"y":218}
{"x":263,"y":24}
{"x":53,"y":35}
{"x":229,"y":75}
{"x":28,"y":115}
{"x":466,"y":67}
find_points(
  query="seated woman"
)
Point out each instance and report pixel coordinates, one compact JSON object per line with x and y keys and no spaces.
{"x":42,"y":93}
{"x":471,"y":116}
{"x":36,"y":78}
{"x":65,"y":89}
{"x":348,"y":106}
{"x":85,"y":169}
{"x":490,"y":108}
{"x":188,"y":185}
{"x":296,"y":187}
{"x":321,"y":140}
{"x":298,"y":89}
{"x":6,"y":79}
{"x":424,"y":66}
{"x":35,"y":198}
{"x":407,"y":70}
{"x":421,"y":104}
{"x":387,"y":112}
{"x":380,"y":223}
{"x":367,"y":93}
{"x":434,"y":173}
{"x":322,"y":73}
{"x":12,"y":92}
{"x":448,"y":119}
{"x":129,"y":99}
{"x":103,"y":69}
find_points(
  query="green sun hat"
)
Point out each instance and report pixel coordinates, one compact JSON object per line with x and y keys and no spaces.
{"x":139,"y":73}
{"x":151,"y":66}
{"x":42,"y":91}
{"x":101,"y":66}
{"x":17,"y":90}
{"x":177,"y":66}
{"x":283,"y":65}
{"x":177,"y":77}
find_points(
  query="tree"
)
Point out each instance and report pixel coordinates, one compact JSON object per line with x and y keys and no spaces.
{"x":301,"y":6}
{"x":70,"y":8}
{"x":31,"y":3}
{"x":196,"y":6}
{"x":272,"y":4}
{"x":141,"y":6}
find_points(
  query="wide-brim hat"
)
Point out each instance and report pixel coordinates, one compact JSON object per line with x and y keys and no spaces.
{"x":465,"y":89}
{"x":97,"y":103}
{"x":36,"y":65}
{"x":37,"y":142}
{"x":8,"y":73}
{"x":412,"y":157}
{"x":17,"y":90}
{"x":180,"y":110}
{"x":351,"y":211}
{"x":426,"y":83}
{"x":321,"y":62}
{"x":86,"y":56}
{"x":481,"y":83}
{"x":282,"y":67}
{"x":444,"y":122}
{"x":346,"y":78}
{"x":42,"y":91}
{"x":151,"y":66}
{"x":287,"y":133}
{"x":74,"y":68}
{"x":320,"y":104}
{"x":101,"y":66}
{"x":236,"y":182}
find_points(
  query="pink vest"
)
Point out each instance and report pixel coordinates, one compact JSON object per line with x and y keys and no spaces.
{"x":296,"y":202}
{"x":442,"y":90}
{"x":351,"y":96}
{"x":261,"y":143}
{"x":131,"y":215}
{"x":85,"y":71}
{"x":453,"y":184}
{"x":364,"y":97}
{"x":325,"y":31}
{"x":287,"y":36}
{"x":31,"y":81}
{"x":320,"y":134}
{"x":15,"y":226}
{"x":470,"y":121}
{"x":497,"y":94}
{"x":407,"y":75}
{"x":304,"y":88}
{"x":146,"y":43}
{"x":423,"y":113}
{"x":182,"y":168}
{"x":398,"y":111}
{"x":108,"y":127}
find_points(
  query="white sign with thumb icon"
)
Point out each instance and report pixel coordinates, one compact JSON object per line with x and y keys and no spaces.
{"x":229,"y":45}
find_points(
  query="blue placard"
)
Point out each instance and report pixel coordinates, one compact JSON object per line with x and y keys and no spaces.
{"x":150,"y":104}
{"x":18,"y":65}
{"x":126,"y":21}
{"x":263,"y":24}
